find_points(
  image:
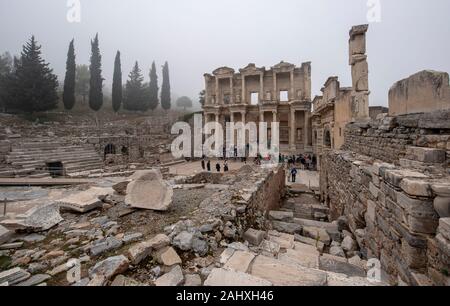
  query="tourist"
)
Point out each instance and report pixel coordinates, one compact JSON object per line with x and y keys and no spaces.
{"x":208,"y":165}
{"x":203,"y":164}
{"x":293,"y":174}
{"x":218,"y":167}
{"x":225,"y":166}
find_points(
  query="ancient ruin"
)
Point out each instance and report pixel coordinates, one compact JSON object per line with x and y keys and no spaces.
{"x":97,"y":203}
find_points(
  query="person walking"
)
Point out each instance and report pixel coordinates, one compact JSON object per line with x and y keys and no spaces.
{"x":218,"y":167}
{"x":203,"y":164}
{"x":208,"y":165}
{"x":225,"y":166}
{"x":293,"y":174}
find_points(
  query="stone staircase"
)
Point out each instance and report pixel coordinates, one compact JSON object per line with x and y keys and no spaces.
{"x":302,"y":249}
{"x":33,"y":159}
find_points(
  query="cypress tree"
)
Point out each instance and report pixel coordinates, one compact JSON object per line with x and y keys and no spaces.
{"x":96,"y":80}
{"x":69,"y":81}
{"x":135,"y":91}
{"x":117,"y":84}
{"x":153,"y":88}
{"x":165,"y":88}
{"x":32,"y":86}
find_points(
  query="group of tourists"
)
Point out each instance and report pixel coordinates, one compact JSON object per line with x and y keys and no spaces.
{"x":206,"y":165}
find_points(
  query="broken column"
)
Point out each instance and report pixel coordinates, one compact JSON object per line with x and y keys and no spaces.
{"x":360,"y":72}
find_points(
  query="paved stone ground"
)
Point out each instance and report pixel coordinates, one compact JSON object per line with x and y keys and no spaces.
{"x":307,"y":178}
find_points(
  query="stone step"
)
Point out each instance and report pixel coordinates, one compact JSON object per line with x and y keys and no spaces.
{"x":319,"y":224}
{"x":302,"y":254}
{"x":340,"y":265}
{"x":53,"y":156}
{"x":278,"y":215}
{"x":281,"y":273}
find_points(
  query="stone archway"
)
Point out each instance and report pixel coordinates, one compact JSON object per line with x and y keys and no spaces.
{"x":109,"y":149}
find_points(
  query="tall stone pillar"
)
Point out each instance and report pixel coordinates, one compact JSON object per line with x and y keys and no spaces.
{"x":207,"y":93}
{"x":274,"y":115}
{"x":306,"y":131}
{"x":217,"y":118}
{"x":261,"y":88}
{"x":292,"y":129}
{"x":231,"y":116}
{"x":275,"y":96}
{"x":244,"y":96}
{"x":360,"y":72}
{"x":231,"y":91}
{"x":217,"y":91}
{"x":291,"y":92}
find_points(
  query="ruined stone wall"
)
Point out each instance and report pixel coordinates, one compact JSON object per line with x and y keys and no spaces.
{"x":406,"y":139}
{"x":390,"y":211}
{"x":425,"y":91}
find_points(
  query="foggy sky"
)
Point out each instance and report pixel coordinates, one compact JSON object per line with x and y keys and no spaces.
{"x":197,"y":36}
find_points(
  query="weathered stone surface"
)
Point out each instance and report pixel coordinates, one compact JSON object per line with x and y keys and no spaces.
{"x":254,"y":237}
{"x":226,"y":254}
{"x":318,"y":224}
{"x":148,"y":190}
{"x":35,"y":280}
{"x":304,"y":255}
{"x":168,"y":257}
{"x":132,"y":238}
{"x":110,"y":267}
{"x":200,"y":246}
{"x":183,"y":241}
{"x":141,"y":251}
{"x":87,"y":200}
{"x":444,"y":227}
{"x":348,"y":244}
{"x":105,"y":245}
{"x":281,"y":215}
{"x":5,"y":235}
{"x":14,"y":276}
{"x":121,"y":187}
{"x":240,"y":261}
{"x":122,"y":281}
{"x":337,"y":251}
{"x":419,"y":188}
{"x":319,"y":245}
{"x":227,"y":278}
{"x":285,"y":274}
{"x":173,"y":278}
{"x":285,"y":227}
{"x":39,"y":218}
{"x":317,"y":234}
{"x":338,"y":266}
{"x":285,"y":241}
{"x":423,"y":92}
{"x":192,"y":280}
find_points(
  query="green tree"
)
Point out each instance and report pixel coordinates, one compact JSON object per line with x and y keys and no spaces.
{"x":165,"y":88}
{"x":135,"y":92}
{"x":184,"y":102}
{"x":153,"y":88}
{"x":96,"y":79}
{"x":117,"y":84}
{"x":202,"y":97}
{"x":32,"y":86}
{"x":6,"y":63}
{"x":82,"y":77}
{"x":69,"y":81}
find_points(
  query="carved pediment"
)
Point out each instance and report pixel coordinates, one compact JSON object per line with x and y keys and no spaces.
{"x":284,"y":66}
{"x":223,"y":71}
{"x":251,"y":69}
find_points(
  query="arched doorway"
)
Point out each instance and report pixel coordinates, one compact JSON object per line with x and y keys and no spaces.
{"x":327,"y":139}
{"x":110,"y":149}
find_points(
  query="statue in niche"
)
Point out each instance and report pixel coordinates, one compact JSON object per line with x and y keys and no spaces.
{"x":238,"y":99}
{"x":268,"y":96}
{"x":299,"y":94}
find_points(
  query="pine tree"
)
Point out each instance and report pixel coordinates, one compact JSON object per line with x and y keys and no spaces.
{"x":32,"y":86}
{"x":165,"y":88}
{"x":69,"y":81}
{"x":135,"y":91}
{"x":96,"y":80}
{"x":117,"y":84}
{"x":153,"y":88}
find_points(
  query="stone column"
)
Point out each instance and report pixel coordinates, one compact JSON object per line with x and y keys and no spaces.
{"x":243,"y":117}
{"x":305,"y":132}
{"x":207,"y":93}
{"x":217,"y":118}
{"x":244,"y":96}
{"x":360,"y":72}
{"x":292,"y":144}
{"x":231,"y":116}
{"x":261,"y":116}
{"x":261,"y":87}
{"x":275,"y":96}
{"x":292,"y":93}
{"x":217,"y":91}
{"x":274,"y":115}
{"x":231,"y":91}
